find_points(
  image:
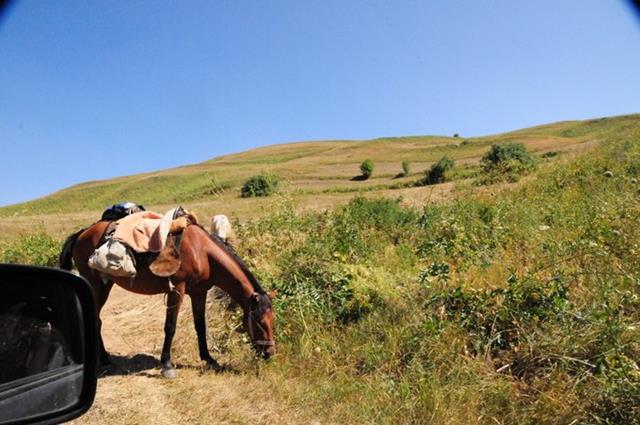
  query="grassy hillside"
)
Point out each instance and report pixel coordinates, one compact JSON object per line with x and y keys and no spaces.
{"x":514,"y":306}
{"x":309,"y":169}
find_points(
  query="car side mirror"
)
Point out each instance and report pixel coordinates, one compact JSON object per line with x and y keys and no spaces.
{"x":48,"y":345}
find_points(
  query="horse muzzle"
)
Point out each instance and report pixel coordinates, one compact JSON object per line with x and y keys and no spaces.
{"x":265,"y":349}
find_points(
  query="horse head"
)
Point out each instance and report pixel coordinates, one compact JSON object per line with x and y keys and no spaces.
{"x":259,"y":322}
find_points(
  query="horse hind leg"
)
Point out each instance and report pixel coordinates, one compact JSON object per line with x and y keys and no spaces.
{"x":101,"y":291}
{"x":174,"y":301}
{"x":198,"y":305}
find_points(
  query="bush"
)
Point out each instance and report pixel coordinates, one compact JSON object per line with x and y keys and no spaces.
{"x":324,"y":290}
{"x":38,"y":249}
{"x":501,"y":318}
{"x":366,"y":168}
{"x":438,"y":171}
{"x":507,"y":161}
{"x":405,"y":168}
{"x":359,"y":228}
{"x":260,"y":185}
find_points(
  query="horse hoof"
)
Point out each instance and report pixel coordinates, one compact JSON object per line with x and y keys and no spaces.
{"x":169,"y":373}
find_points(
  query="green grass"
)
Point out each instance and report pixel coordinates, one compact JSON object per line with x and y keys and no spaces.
{"x":145,"y":190}
{"x":313,"y":162}
{"x":520,"y":306}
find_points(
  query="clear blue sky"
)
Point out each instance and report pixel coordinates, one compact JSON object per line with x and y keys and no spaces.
{"x":92,"y":90}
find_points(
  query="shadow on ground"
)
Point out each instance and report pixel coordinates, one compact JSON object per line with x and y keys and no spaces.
{"x":127,"y":365}
{"x":358,"y":178}
{"x":146,"y":365}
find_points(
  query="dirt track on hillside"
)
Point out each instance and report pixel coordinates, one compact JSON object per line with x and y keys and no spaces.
{"x":134,"y":392}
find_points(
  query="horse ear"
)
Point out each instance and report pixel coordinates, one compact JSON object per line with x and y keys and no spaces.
{"x":273,"y":294}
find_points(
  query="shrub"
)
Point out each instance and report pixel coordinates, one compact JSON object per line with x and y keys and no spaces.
{"x":38,"y":249}
{"x":507,"y":161}
{"x":324,"y":290}
{"x":501,"y":318}
{"x":360,"y":227}
{"x":260,"y":185}
{"x":438,"y":171}
{"x":366,"y":168}
{"x":405,"y":168}
{"x":381,"y":214}
{"x":504,"y":155}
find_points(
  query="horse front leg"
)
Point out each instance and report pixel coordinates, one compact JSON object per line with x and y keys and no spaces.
{"x":174,"y":301}
{"x":198,"y":305}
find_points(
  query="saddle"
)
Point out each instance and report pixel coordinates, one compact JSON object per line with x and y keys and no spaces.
{"x":148,"y":238}
{"x":167,"y":261}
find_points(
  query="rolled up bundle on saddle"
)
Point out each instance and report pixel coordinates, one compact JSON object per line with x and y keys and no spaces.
{"x":138,"y":233}
{"x":118,"y":211}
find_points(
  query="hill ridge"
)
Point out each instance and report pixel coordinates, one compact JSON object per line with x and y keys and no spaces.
{"x":307,"y":166}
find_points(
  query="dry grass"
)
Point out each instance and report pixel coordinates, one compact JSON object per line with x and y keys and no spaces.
{"x":256,"y":393}
{"x":135,"y":392}
{"x":313,"y":167}
{"x":253,"y":393}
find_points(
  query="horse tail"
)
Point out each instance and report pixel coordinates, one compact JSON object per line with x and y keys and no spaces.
{"x":65,"y":258}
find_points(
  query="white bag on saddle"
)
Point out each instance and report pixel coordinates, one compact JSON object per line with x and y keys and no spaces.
{"x":113,"y":258}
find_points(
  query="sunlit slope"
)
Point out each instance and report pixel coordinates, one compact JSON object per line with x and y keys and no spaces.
{"x":312,"y":167}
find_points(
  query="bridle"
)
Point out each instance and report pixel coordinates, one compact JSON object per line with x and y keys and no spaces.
{"x":254,"y":321}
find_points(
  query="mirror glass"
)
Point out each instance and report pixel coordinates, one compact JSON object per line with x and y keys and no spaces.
{"x":41,"y":349}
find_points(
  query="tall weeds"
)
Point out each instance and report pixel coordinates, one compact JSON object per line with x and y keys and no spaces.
{"x":521,"y":308}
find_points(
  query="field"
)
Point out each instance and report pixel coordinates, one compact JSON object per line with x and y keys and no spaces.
{"x":452,"y":303}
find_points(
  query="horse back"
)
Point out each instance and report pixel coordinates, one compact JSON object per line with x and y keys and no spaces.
{"x":194,"y":268}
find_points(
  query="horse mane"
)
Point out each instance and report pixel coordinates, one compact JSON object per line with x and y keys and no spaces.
{"x":232,"y":253}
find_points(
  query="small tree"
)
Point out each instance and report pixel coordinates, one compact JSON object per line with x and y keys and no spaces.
{"x":500,"y":156}
{"x":260,"y":185}
{"x":507,"y":161}
{"x":438,"y":171}
{"x":405,"y":168}
{"x":366,"y":168}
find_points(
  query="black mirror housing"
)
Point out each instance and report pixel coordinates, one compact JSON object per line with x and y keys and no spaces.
{"x":48,"y":345}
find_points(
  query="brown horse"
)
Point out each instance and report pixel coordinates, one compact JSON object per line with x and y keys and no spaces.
{"x":205,"y":261}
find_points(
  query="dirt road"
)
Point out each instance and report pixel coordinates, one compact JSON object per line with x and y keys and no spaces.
{"x":135,"y":392}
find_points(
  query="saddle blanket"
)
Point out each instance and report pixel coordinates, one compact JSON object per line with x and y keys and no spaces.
{"x":144,"y":231}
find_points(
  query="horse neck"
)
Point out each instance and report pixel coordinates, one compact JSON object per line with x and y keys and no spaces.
{"x":240,"y":292}
{"x":230,"y":276}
